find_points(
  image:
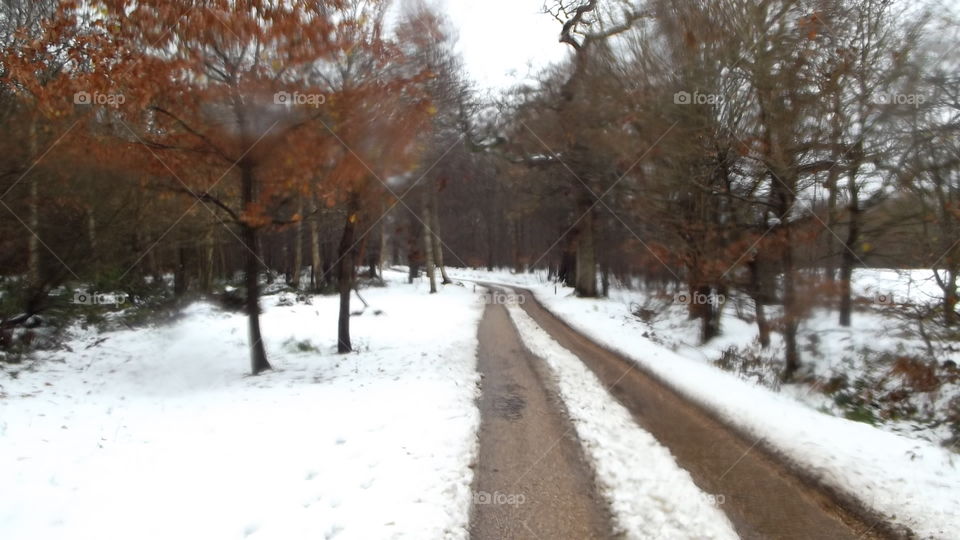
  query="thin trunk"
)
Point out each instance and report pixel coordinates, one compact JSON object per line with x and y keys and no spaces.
{"x":414,"y":257}
{"x":206,"y":280}
{"x":490,"y":234}
{"x":251,"y":240}
{"x":345,"y":273}
{"x":181,"y":281}
{"x":756,"y":293}
{"x":567,"y":269}
{"x":92,"y":239}
{"x":950,"y":299}
{"x":381,"y":259}
{"x":605,"y":280}
{"x":33,"y":216}
{"x":833,"y":175}
{"x":848,"y":258}
{"x":298,"y":246}
{"x":316,"y":264}
{"x":586,"y":257}
{"x":846,"y":275}
{"x":790,"y":315}
{"x":437,"y":244}
{"x":428,"y":244}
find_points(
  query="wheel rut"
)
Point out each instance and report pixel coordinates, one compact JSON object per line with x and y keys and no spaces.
{"x":532,"y":479}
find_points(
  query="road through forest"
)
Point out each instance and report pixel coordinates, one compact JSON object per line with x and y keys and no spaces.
{"x":533,"y":480}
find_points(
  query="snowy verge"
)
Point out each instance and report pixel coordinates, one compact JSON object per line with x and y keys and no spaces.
{"x":159,"y":433}
{"x":909,"y":482}
{"x":657,"y":500}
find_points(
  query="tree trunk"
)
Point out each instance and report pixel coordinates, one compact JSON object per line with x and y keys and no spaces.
{"x":206,"y":280}
{"x":567,"y":269}
{"x":382,"y":255}
{"x":790,"y":316}
{"x":316,"y":264}
{"x":181,"y":280}
{"x":831,"y":182}
{"x":437,"y":244}
{"x":586,"y":258}
{"x":756,"y":292}
{"x":490,"y":243}
{"x":298,"y":246}
{"x":33,"y":215}
{"x":605,"y":280}
{"x":950,"y":299}
{"x":706,"y":305}
{"x":345,"y":271}
{"x":846,"y":275}
{"x":848,"y":259}
{"x":414,"y":257}
{"x":250,"y":237}
{"x":428,"y":245}
{"x":92,"y":239}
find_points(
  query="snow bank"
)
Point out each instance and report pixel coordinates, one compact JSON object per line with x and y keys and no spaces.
{"x":159,"y":433}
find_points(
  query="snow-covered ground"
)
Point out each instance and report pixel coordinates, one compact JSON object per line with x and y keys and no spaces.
{"x":910,"y":481}
{"x":656,"y":500}
{"x":159,"y":433}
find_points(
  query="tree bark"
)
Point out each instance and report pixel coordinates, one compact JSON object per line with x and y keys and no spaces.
{"x":316,"y":264}
{"x":757,"y":294}
{"x":345,"y":273}
{"x":437,"y":244}
{"x":414,"y":257}
{"x":181,"y":280}
{"x":950,"y":299}
{"x":586,"y":257}
{"x":298,"y":246}
{"x":33,"y":215}
{"x":206,"y":280}
{"x":848,"y":259}
{"x":92,"y":239}
{"x":605,"y":280}
{"x":250,"y":237}
{"x":428,"y":244}
{"x":790,"y":316}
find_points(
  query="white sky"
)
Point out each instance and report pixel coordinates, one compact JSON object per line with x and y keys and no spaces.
{"x":503,"y":42}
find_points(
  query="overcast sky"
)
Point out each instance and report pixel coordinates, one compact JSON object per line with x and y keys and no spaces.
{"x":503,"y":41}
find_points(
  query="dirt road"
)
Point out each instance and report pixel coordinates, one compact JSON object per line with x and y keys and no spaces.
{"x":532,"y":478}
{"x":526,"y":447}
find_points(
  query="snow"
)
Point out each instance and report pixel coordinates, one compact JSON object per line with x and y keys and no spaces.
{"x":911,"y":482}
{"x":656,"y":500}
{"x":160,"y":433}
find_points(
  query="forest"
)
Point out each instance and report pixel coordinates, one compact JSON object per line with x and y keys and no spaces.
{"x":739,"y":173}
